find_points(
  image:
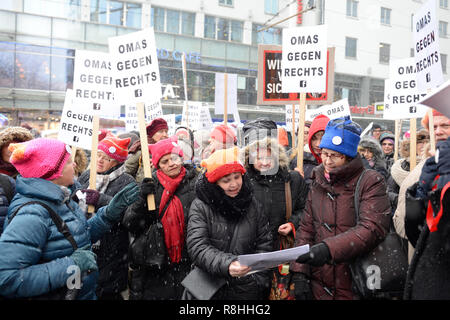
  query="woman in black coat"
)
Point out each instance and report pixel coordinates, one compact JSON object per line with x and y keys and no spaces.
{"x":267,"y":168}
{"x":171,"y":178}
{"x":225,"y":221}
{"x":112,"y":249}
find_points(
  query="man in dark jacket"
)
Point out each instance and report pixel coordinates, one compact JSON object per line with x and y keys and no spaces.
{"x":328,"y":223}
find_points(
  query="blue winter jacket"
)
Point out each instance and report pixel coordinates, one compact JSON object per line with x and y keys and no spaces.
{"x":4,"y":203}
{"x":34,"y":255}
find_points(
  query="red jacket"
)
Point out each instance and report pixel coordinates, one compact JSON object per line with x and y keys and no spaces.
{"x":329,"y":216}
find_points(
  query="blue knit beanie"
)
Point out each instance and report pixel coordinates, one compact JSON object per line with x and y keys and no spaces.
{"x":342,"y":135}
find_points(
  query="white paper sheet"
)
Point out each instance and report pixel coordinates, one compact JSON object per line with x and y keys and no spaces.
{"x":261,"y":261}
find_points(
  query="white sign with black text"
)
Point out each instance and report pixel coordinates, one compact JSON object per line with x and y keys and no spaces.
{"x":76,"y":125}
{"x":335,"y":110}
{"x":304,"y":59}
{"x":426,"y":47}
{"x":135,"y":67}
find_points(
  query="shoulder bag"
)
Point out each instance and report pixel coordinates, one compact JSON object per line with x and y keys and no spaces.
{"x":380,"y":273}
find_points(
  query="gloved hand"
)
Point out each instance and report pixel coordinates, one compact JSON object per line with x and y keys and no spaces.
{"x":429,"y":172}
{"x":443,"y":162}
{"x":85,"y":259}
{"x":302,"y":286}
{"x":317,"y":256}
{"x":415,"y":214}
{"x":147,"y":187}
{"x":92,"y":196}
{"x":121,"y":201}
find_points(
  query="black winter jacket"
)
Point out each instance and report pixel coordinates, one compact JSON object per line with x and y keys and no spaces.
{"x":112,"y":251}
{"x":165,"y":283}
{"x":216,"y":236}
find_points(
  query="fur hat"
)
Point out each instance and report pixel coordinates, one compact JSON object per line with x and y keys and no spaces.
{"x":222,"y":163}
{"x":40,"y":158}
{"x":342,"y":135}
{"x":114,"y":147}
{"x":14,"y":134}
{"x":368,"y":142}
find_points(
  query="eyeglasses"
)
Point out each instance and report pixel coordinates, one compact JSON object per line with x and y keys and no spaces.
{"x":332,"y":156}
{"x":387,"y":144}
{"x":103,"y":158}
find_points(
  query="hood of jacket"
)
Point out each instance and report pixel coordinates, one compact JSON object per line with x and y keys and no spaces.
{"x":14,"y":134}
{"x":373,"y":145}
{"x":269,"y":143}
{"x":319,"y":124}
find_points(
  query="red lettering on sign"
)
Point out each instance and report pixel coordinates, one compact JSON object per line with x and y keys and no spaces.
{"x":299,"y":9}
{"x":361,"y":110}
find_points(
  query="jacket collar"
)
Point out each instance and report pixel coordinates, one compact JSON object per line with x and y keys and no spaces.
{"x":341,"y":175}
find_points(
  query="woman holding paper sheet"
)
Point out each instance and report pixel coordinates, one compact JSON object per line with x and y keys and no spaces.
{"x":328,"y":221}
{"x":225,"y":221}
{"x":173,"y":186}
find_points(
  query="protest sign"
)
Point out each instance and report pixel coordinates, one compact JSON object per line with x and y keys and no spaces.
{"x":191,"y":116}
{"x":335,"y":110}
{"x":225,"y":94}
{"x":75,"y":125}
{"x":439,"y":99}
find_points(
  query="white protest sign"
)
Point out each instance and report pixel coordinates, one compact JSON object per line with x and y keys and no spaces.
{"x":289,"y":117}
{"x":192,"y":114}
{"x":76,"y":125}
{"x":92,"y":82}
{"x":426,"y":47}
{"x":439,"y":99}
{"x":205,"y":119}
{"x":153,"y":110}
{"x":401,"y":95}
{"x":220,"y":93}
{"x":171,"y":124}
{"x":131,"y":118}
{"x":304,"y":59}
{"x":335,"y":110}
{"x":135,"y":67}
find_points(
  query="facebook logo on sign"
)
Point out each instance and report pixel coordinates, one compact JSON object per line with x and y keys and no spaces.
{"x":76,"y":139}
{"x":138,"y":93}
{"x":302,"y":83}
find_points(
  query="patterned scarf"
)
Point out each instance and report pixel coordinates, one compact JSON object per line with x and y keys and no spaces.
{"x":103,"y":180}
{"x":173,"y":220}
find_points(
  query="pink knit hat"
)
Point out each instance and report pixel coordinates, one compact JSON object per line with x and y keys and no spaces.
{"x":114,"y":147}
{"x":163,"y":147}
{"x":40,"y":158}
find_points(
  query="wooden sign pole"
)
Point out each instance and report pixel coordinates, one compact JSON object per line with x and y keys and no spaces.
{"x":225,"y":103}
{"x":183,"y":63}
{"x":145,"y":153}
{"x":397,"y":138}
{"x":293,"y":126}
{"x":431,"y":126}
{"x":93,"y":167}
{"x":412,"y":144}
{"x":301,"y":132}
{"x":74,"y":151}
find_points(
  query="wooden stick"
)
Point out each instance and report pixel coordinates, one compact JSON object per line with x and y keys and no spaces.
{"x":74,"y":151}
{"x":183,"y":63}
{"x":225,"y":103}
{"x":397,"y":137}
{"x":431,"y":126}
{"x":412,"y":143}
{"x":301,"y":132}
{"x":145,"y":153}
{"x":293,"y":126}
{"x":93,"y":167}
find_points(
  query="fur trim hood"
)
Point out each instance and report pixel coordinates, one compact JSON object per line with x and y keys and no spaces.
{"x":373,"y":145}
{"x":271,"y":143}
{"x":14,"y":134}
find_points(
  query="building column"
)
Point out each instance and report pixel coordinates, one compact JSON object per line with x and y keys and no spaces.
{"x":247,"y":33}
{"x":365,"y":91}
{"x":200,"y":25}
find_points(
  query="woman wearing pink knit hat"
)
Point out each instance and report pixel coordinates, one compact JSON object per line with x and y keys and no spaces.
{"x":173,"y":186}
{"x":112,"y":249}
{"x":47,"y":237}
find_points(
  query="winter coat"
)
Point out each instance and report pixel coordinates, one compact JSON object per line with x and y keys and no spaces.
{"x":35,"y":255}
{"x":216,"y":235}
{"x":329,"y":217}
{"x":399,"y":171}
{"x":4,"y":202}
{"x":309,"y":163}
{"x":400,"y":213}
{"x":379,"y":164}
{"x":165,"y":283}
{"x":112,"y":249}
{"x":269,"y":190}
{"x":134,"y":167}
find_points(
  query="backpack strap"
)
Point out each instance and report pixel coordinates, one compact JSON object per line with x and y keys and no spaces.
{"x":60,"y":224}
{"x":358,"y":195}
{"x":7,"y":187}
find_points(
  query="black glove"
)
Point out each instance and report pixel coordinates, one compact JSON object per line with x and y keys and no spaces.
{"x":302,"y":286}
{"x":429,"y":172}
{"x":147,"y":187}
{"x":414,"y":214}
{"x":443,"y":162}
{"x":317,"y":256}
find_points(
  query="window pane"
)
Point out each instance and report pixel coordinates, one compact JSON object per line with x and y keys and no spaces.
{"x":11,"y":5}
{"x":116,"y":13}
{"x":173,"y":21}
{"x":134,"y":15}
{"x":236,"y":30}
{"x":188,"y":23}
{"x":210,"y":27}
{"x":223,"y":29}
{"x":32,"y":71}
{"x":271,"y":6}
{"x":58,"y":8}
{"x":384,"y":52}
{"x":158,"y":19}
{"x":350,"y":47}
{"x":6,"y":65}
{"x":26,"y":24}
{"x":349,"y":7}
{"x":444,"y":62}
{"x":98,"y":11}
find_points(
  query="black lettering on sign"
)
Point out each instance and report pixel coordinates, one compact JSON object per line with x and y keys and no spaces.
{"x":134,"y":46}
{"x":300,"y":40}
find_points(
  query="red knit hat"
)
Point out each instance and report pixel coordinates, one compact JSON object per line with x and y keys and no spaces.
{"x":319,"y":124}
{"x":114,"y":147}
{"x":40,"y":158}
{"x":224,"y":134}
{"x":222,"y":163}
{"x":163,"y":147}
{"x":102,"y":134}
{"x":156,"y":125}
{"x":426,"y":119}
